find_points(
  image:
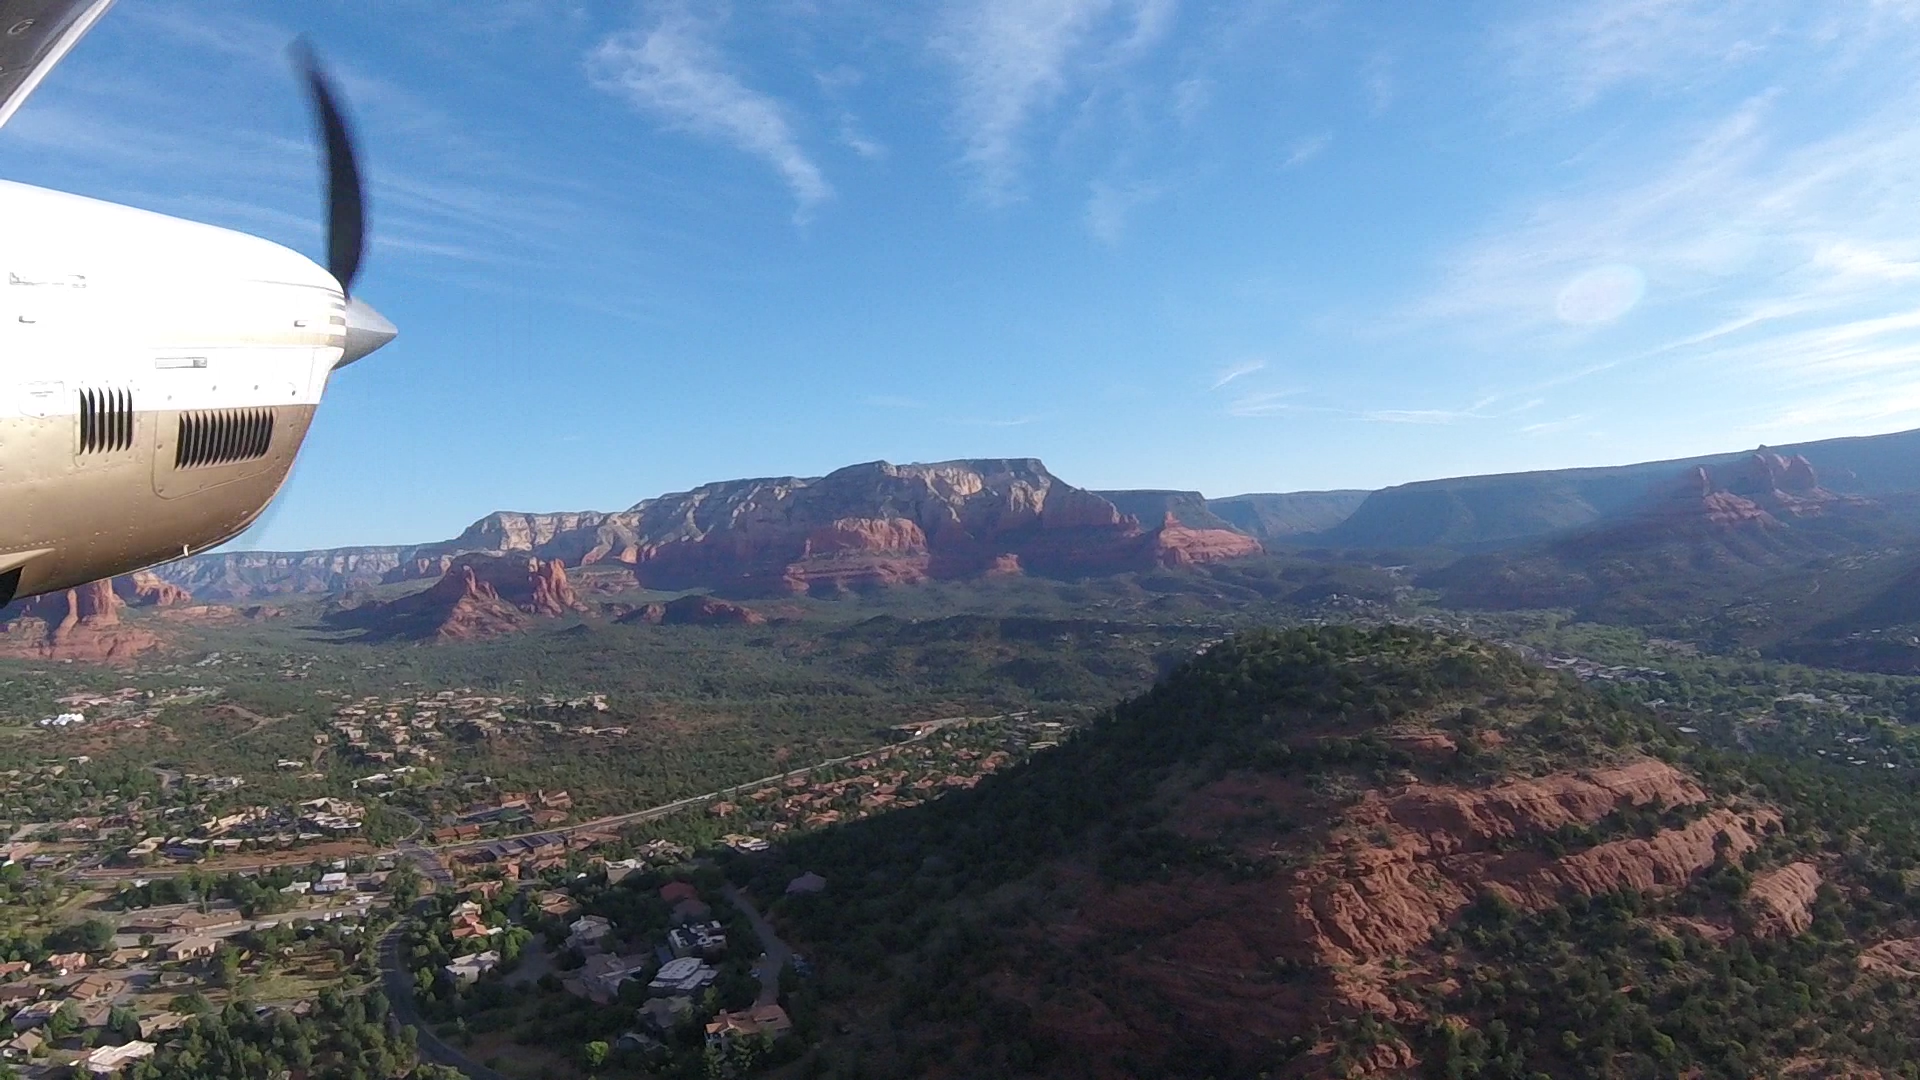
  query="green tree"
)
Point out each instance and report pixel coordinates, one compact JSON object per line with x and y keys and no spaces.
{"x":595,"y":1054}
{"x":226,"y":966}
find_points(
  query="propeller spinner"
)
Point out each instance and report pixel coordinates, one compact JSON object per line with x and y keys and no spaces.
{"x":367,"y":329}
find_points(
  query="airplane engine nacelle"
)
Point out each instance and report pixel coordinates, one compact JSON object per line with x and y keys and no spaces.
{"x":157,"y":377}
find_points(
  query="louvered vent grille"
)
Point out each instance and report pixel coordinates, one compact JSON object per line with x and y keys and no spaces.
{"x":106,"y":421}
{"x":221,"y":436}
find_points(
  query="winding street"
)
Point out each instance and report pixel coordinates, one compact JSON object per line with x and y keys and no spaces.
{"x":399,"y":987}
{"x":775,"y":955}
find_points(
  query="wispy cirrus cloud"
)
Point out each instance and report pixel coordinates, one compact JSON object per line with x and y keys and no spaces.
{"x":1109,"y":208}
{"x":1418,"y":416}
{"x":1550,"y":427}
{"x":1236,"y":371}
{"x":1794,"y":259}
{"x":1268,"y":403}
{"x":1305,"y":150}
{"x":1581,"y":50}
{"x":670,"y":69}
{"x":1014,"y":58}
{"x":856,"y":140}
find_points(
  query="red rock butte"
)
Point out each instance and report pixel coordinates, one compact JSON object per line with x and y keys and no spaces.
{"x":84,"y":623}
{"x":864,"y":526}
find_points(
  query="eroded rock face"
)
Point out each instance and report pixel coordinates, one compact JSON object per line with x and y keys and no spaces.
{"x":79,"y":624}
{"x":1781,"y":900}
{"x":1453,"y":820}
{"x":478,"y":596}
{"x":145,"y":588}
{"x":1899,"y":957}
{"x":866,"y":526}
{"x":1760,"y":489}
{"x":1357,"y":919}
{"x":1175,"y":544}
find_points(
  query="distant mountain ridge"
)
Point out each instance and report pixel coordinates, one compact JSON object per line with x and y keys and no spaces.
{"x":863,"y":526}
{"x":878,"y":524}
{"x":1288,"y":515}
{"x":1484,"y":510}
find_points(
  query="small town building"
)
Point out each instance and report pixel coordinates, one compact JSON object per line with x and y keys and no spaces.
{"x":192,"y":948}
{"x":107,"y":1060}
{"x":601,"y":976}
{"x":707,"y":940}
{"x":18,"y":993}
{"x":160,"y":1024}
{"x":35,"y":1014}
{"x":23,"y":1045}
{"x":97,"y":987}
{"x":204,"y":922}
{"x":769,"y":1021}
{"x":686,"y":975}
{"x":663,"y":1014}
{"x":587,"y":931}
{"x":66,"y":962}
{"x":467,"y":969}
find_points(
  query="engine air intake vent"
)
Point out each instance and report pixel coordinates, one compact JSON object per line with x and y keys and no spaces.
{"x":222,"y":436}
{"x":106,"y":421}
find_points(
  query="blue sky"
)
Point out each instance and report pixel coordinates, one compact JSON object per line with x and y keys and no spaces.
{"x":1229,"y":245}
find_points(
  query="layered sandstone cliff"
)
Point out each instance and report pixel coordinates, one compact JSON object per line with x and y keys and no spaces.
{"x":479,"y":596}
{"x":83,"y":623}
{"x":862,"y":527}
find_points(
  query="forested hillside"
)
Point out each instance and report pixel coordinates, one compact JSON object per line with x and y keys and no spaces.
{"x":1343,"y":852}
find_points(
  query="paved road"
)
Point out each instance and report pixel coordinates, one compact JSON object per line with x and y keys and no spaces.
{"x":776,"y":955}
{"x":666,"y":809}
{"x":428,"y":862}
{"x":399,"y":985}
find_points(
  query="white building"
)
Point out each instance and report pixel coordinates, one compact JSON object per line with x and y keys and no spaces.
{"x":468,"y":968}
{"x":588,"y":930}
{"x":687,"y":975}
{"x":108,"y":1060}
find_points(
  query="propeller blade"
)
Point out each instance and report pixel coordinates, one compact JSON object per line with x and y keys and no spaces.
{"x":346,"y":198}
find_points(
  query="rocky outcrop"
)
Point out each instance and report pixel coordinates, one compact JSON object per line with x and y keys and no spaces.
{"x":144,"y":588}
{"x":1781,"y":901}
{"x":1899,"y":957}
{"x":79,"y":624}
{"x":1759,"y":490}
{"x":1447,"y":845}
{"x":1453,"y":820}
{"x":479,"y":596}
{"x":1175,"y":544}
{"x":1697,"y":498}
{"x":1663,"y":863}
{"x":694,"y":611}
